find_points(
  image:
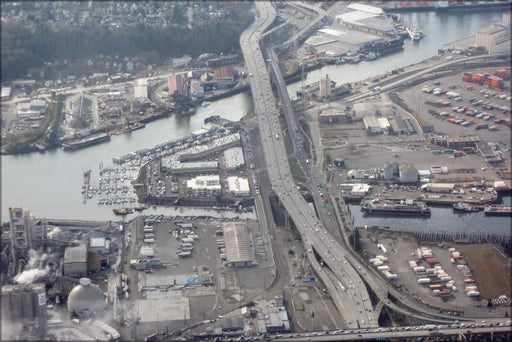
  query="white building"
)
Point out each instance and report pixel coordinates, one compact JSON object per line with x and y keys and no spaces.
{"x":233,"y":158}
{"x":239,"y":186}
{"x":408,"y":173}
{"x":494,"y":38}
{"x":204,"y":185}
{"x":140,"y":89}
{"x":368,"y":19}
{"x":372,"y":125}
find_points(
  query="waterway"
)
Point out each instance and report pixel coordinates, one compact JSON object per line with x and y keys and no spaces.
{"x":442,"y":219}
{"x":439,"y":29}
{"x":50,"y":184}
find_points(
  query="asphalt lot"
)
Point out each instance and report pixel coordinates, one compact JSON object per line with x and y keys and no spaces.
{"x":401,"y":248}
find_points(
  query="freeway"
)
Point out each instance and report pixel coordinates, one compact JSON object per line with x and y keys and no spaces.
{"x":397,"y":334}
{"x":352,"y":302}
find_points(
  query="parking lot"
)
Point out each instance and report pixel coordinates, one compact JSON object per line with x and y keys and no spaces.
{"x":174,"y":289}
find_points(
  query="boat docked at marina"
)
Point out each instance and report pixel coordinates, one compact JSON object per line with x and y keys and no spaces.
{"x":414,"y":33}
{"x":120,"y":211}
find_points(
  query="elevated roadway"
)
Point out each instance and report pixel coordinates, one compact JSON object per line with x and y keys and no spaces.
{"x":353,"y":303}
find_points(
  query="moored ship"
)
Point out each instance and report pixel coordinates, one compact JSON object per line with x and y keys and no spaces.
{"x":85,"y":142}
{"x":395,"y":207}
{"x":498,"y":210}
{"x":465,"y":207}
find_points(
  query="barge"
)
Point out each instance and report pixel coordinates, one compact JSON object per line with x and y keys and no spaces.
{"x":407,"y":207}
{"x":498,"y":210}
{"x":85,"y":142}
{"x":466,"y":6}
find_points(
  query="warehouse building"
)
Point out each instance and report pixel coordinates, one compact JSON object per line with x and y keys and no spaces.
{"x":75,"y":260}
{"x":238,"y":250}
{"x":224,"y":77}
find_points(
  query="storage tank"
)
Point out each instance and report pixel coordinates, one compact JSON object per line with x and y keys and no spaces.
{"x":388,"y":171}
{"x":86,"y":299}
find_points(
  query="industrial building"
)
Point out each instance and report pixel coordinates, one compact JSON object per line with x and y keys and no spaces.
{"x":25,"y":304}
{"x":408,"y":173}
{"x":333,"y":113}
{"x":238,"y":250}
{"x":234,"y":158}
{"x":239,"y":186}
{"x":277,"y":320}
{"x":201,"y":186}
{"x":23,"y":229}
{"x":86,"y":299}
{"x":75,"y":260}
{"x":176,"y":85}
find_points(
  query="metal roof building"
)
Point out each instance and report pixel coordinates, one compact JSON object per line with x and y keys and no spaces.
{"x":238,"y":251}
{"x":75,"y":260}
